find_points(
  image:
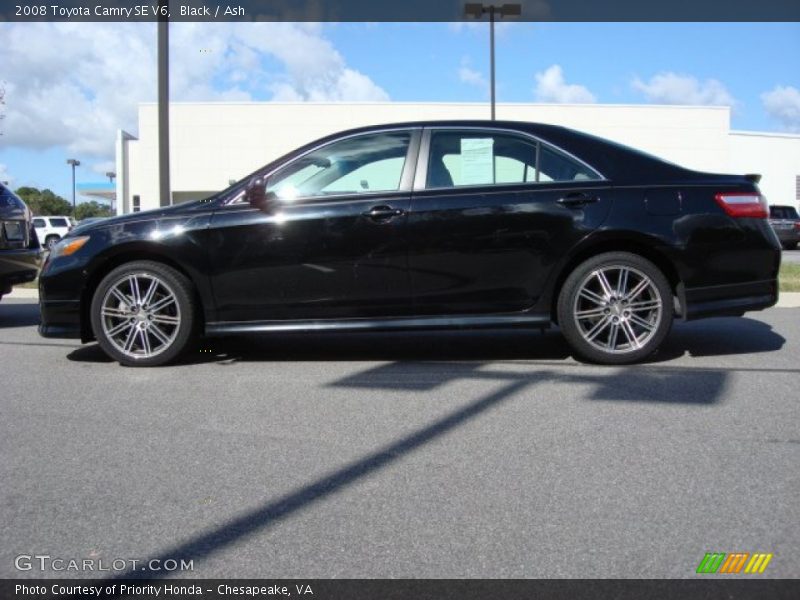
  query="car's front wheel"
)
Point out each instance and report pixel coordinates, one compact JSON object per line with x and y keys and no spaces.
{"x":615,"y":308}
{"x":143,"y":313}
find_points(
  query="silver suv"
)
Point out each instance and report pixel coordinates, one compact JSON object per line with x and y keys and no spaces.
{"x":786,"y":223}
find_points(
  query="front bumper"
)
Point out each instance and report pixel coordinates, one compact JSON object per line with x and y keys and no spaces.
{"x":60,"y":319}
{"x":61,"y":285}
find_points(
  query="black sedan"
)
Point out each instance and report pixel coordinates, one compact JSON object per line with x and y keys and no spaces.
{"x":426,"y":225}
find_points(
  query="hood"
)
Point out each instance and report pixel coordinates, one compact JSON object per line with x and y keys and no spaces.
{"x":153,"y":214}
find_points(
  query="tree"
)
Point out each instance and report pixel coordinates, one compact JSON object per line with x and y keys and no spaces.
{"x":85,"y":210}
{"x":44,"y":202}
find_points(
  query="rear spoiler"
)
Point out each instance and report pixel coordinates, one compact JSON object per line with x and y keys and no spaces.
{"x":753,"y":177}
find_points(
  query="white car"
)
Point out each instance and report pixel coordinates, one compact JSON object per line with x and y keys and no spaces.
{"x":50,"y":230}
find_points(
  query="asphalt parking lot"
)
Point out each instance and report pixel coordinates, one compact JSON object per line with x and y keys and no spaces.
{"x":427,"y":455}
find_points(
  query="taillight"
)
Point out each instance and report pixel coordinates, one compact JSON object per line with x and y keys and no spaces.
{"x":743,"y":204}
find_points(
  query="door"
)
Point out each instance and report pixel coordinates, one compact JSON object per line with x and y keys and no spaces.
{"x":492,"y":212}
{"x":334,"y":245}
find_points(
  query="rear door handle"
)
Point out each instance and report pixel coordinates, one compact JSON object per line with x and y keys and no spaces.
{"x":383,"y":213}
{"x":577,"y":200}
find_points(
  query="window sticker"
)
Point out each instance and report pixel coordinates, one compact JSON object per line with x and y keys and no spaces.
{"x":477,"y":161}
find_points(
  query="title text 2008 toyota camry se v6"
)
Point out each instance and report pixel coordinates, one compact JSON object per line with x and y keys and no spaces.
{"x":425,"y":225}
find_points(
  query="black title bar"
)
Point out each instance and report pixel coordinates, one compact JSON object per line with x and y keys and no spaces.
{"x":395,"y":10}
{"x":739,"y":588}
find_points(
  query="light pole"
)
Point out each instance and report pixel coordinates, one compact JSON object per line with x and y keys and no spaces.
{"x":74,"y":163}
{"x":111,"y":175}
{"x":476,"y":11}
{"x":165,"y":195}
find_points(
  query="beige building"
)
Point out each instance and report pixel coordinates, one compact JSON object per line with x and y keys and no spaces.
{"x":212,"y":144}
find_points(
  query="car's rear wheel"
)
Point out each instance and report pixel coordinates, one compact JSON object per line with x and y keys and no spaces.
{"x":790,"y":246}
{"x":615,"y":308}
{"x":50,"y":241}
{"x":143,"y":313}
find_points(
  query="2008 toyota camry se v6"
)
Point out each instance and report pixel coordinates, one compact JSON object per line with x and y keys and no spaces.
{"x":426,"y":225}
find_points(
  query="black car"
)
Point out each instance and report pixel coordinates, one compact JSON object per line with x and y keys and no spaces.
{"x":19,"y":246}
{"x":786,"y":223}
{"x":426,"y":225}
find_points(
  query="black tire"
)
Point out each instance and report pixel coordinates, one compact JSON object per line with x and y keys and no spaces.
{"x":50,"y":241}
{"x":183,"y":309}
{"x":790,"y":246}
{"x":603,"y":348}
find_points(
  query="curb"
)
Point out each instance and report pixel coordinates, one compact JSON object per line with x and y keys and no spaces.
{"x":788,"y":300}
{"x":785,"y":300}
{"x":29,"y":293}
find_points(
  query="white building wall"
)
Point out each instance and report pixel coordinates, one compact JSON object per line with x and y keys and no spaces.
{"x":213,"y":143}
{"x":775,"y":156}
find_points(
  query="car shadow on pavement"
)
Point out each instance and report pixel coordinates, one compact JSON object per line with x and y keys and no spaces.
{"x":515,"y":380}
{"x":18,"y":314}
{"x":708,"y":337}
{"x":720,"y":337}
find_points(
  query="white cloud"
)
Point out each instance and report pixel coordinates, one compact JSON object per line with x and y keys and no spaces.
{"x":551,"y":87}
{"x":75,"y":84}
{"x":674,"y":88}
{"x":104,"y":167}
{"x":470,"y":76}
{"x":783,"y":104}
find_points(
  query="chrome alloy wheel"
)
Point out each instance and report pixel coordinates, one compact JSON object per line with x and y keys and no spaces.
{"x":617,"y":309}
{"x":140,"y":315}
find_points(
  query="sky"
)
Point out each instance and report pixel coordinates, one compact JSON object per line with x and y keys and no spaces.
{"x":70,"y":86}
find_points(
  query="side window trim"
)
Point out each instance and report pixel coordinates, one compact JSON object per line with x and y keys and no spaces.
{"x":421,"y":175}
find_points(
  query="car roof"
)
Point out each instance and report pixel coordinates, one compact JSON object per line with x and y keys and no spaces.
{"x":617,"y":162}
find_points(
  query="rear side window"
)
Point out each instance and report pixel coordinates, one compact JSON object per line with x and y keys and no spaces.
{"x":39,"y":223}
{"x":462,"y":158}
{"x":782,"y":212}
{"x":59,"y":222}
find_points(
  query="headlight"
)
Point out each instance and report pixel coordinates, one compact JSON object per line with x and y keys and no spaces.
{"x":68,"y":246}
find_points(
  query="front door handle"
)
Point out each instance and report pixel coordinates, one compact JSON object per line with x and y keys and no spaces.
{"x":383,"y":213}
{"x":577,"y":200}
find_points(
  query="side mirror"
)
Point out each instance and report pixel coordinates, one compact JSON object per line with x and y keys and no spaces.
{"x":258,"y":196}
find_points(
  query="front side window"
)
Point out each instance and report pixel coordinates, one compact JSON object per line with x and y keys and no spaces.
{"x":359,"y":165}
{"x":58,"y":223}
{"x":460,"y":158}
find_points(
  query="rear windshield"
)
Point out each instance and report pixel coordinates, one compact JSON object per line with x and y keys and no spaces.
{"x":783,"y":212}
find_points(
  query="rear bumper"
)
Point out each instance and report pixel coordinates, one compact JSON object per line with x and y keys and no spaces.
{"x":788,"y":236}
{"x":729,"y":300}
{"x":17,"y":266}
